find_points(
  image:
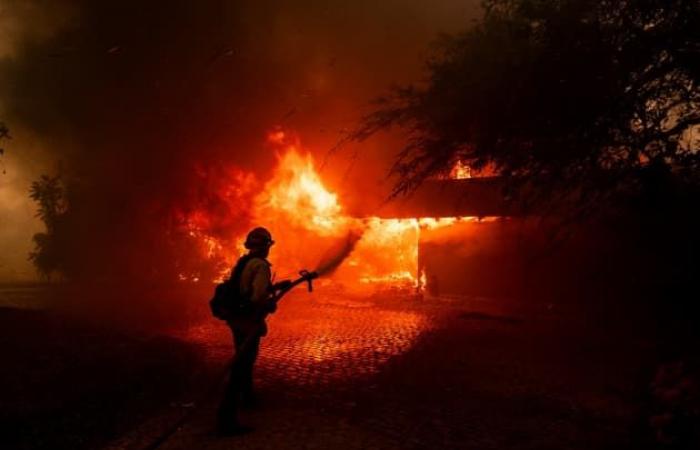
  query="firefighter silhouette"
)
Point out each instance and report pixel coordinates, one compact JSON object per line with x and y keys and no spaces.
{"x":252,"y":277}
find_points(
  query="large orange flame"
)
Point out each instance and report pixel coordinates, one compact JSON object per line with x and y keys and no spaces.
{"x":305,"y":218}
{"x":296,"y":193}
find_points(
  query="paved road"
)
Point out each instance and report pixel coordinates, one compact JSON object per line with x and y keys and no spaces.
{"x":341,"y":372}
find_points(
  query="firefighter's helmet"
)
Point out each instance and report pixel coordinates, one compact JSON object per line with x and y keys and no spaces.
{"x":258,"y":238}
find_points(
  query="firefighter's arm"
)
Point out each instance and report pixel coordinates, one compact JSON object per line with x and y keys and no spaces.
{"x":281,"y":286}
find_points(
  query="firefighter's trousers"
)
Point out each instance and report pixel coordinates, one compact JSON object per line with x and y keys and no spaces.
{"x":240,"y":384}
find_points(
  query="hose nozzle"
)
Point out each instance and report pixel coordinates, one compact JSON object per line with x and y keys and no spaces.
{"x":309,"y":277}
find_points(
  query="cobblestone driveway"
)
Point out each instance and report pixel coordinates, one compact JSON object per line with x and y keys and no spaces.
{"x":323,"y":340}
{"x":345,"y":373}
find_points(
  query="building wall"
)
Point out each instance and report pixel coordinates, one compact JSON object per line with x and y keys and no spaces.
{"x":549,"y":262}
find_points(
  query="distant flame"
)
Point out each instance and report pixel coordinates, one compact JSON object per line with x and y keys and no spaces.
{"x":460,"y":171}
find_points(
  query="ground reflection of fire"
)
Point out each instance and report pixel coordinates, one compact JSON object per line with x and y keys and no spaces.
{"x":323,"y":341}
{"x":305,"y":218}
{"x":312,"y":337}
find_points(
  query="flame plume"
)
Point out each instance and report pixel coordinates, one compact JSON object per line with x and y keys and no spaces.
{"x":305,"y":217}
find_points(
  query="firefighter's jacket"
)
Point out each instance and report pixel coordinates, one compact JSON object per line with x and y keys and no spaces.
{"x":256,"y":284}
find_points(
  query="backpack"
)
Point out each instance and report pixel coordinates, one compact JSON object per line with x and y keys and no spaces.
{"x":228,"y":302}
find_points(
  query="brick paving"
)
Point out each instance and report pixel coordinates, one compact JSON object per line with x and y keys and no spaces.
{"x":342,"y":372}
{"x":320,"y":341}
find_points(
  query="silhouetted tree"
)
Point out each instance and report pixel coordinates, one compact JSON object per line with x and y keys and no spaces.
{"x":577,"y":97}
{"x":579,"y":103}
{"x":50,"y":195}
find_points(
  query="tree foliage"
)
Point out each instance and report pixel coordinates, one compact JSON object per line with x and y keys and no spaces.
{"x":565,"y":93}
{"x":49,"y":193}
{"x":74,"y":246}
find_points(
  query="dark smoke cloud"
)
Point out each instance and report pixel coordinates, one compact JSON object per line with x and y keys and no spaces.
{"x":132,"y":96}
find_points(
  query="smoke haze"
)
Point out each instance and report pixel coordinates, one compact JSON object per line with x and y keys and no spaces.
{"x":137,"y":100}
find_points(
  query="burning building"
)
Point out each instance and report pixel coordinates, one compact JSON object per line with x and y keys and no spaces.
{"x":394,"y":247}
